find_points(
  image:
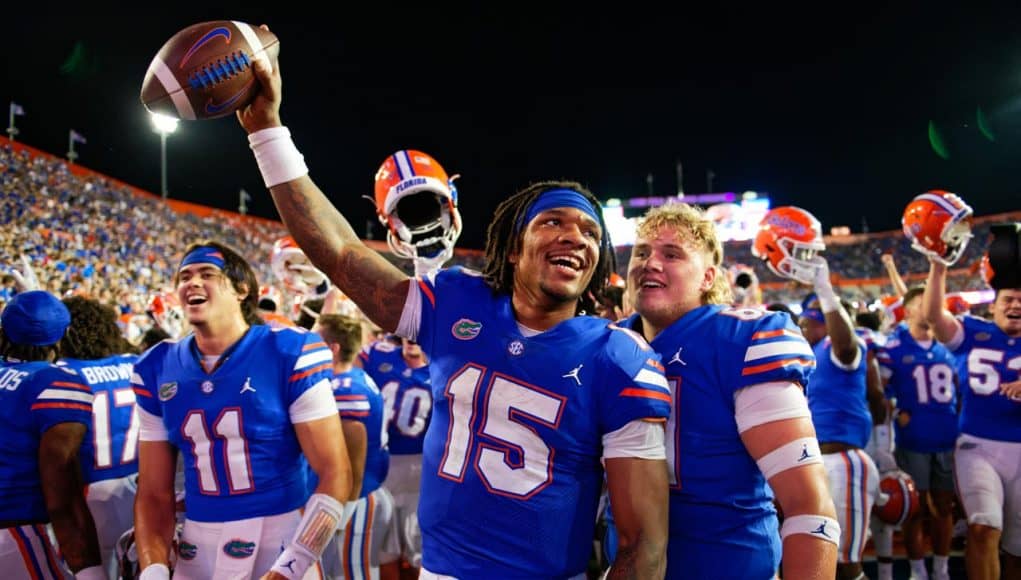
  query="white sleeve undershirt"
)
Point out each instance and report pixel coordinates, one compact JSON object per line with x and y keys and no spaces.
{"x":411,"y":316}
{"x":151,"y":427}
{"x":766,"y":402}
{"x":314,"y":403}
{"x":639,"y":438}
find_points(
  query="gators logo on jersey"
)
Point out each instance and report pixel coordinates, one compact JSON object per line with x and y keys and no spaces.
{"x":465,"y":329}
{"x":239,"y":548}
{"x":187,"y":551}
{"x":167,"y":391}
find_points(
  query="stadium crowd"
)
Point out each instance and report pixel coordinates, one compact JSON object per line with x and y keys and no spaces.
{"x":815,"y":410}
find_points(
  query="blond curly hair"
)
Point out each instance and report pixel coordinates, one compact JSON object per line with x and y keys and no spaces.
{"x":691,"y":225}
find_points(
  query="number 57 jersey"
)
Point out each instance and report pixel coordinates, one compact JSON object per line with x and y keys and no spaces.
{"x":992,"y":358}
{"x":511,"y":469}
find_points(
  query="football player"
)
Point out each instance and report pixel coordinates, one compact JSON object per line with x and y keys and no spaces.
{"x":919,"y":374}
{"x":790,"y":240}
{"x":403,"y":372}
{"x":370,"y":538}
{"x":987,"y":450}
{"x":243,"y":403}
{"x":95,"y":349}
{"x":740,"y":420}
{"x":45,"y":411}
{"x":529,"y":399}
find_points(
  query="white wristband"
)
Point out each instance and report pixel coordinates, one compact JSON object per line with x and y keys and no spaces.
{"x":822,"y":527}
{"x":91,"y":573}
{"x":828,"y":301}
{"x":279,"y":160}
{"x":292,"y":564}
{"x":155,"y":572}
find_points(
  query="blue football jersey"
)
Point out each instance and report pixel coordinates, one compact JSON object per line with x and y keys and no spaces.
{"x":836,"y":398}
{"x":923,"y":382}
{"x":358,"y":399}
{"x":722,"y":520}
{"x":110,"y":449}
{"x":993,"y":358}
{"x":242,"y":458}
{"x":407,"y":394}
{"x":511,"y":471}
{"x":34,"y":397}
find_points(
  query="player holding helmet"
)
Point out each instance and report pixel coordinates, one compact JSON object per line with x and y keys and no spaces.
{"x":789,"y":240}
{"x":987,"y":451}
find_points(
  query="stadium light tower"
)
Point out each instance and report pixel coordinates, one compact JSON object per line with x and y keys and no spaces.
{"x":164,"y":125}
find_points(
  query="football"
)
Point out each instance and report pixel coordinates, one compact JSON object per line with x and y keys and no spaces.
{"x":205,"y":71}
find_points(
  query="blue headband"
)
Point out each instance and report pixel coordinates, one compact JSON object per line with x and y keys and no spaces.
{"x":554,"y":198}
{"x":204,"y":255}
{"x":810,"y":309}
{"x":35,"y":318}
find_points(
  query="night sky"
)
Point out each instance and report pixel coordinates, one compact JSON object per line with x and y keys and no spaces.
{"x":822,"y":108}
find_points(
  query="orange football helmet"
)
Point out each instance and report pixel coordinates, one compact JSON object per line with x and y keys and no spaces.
{"x":417,"y":203}
{"x":294,"y":270}
{"x":898,"y":499}
{"x":938,"y":223}
{"x":788,"y":240}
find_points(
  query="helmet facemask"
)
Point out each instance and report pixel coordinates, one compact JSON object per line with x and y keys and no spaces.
{"x":423,"y":227}
{"x":800,"y":260}
{"x":956,"y":236}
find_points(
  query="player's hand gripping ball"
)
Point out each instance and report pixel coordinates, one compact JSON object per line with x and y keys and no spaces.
{"x":205,"y":71}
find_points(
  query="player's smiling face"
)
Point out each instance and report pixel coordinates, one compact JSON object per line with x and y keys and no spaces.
{"x":558,"y":255}
{"x":205,"y":292}
{"x":667,"y":276}
{"x":1007,"y":311}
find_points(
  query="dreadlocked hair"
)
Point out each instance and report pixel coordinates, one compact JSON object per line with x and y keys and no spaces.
{"x":504,"y":235}
{"x":241,"y":276}
{"x":93,"y":333}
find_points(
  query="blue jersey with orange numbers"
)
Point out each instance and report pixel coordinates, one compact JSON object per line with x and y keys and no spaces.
{"x":836,"y":397}
{"x":511,"y":464}
{"x":722,"y":520}
{"x":358,"y":399}
{"x":241,"y":454}
{"x":110,"y":448}
{"x":407,"y":394}
{"x":34,"y":397}
{"x":923,"y":382}
{"x":992,"y":358}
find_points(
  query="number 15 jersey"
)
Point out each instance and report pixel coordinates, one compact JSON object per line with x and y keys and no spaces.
{"x":511,"y":469}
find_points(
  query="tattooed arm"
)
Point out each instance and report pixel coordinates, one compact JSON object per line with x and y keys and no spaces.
{"x":378,"y":287}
